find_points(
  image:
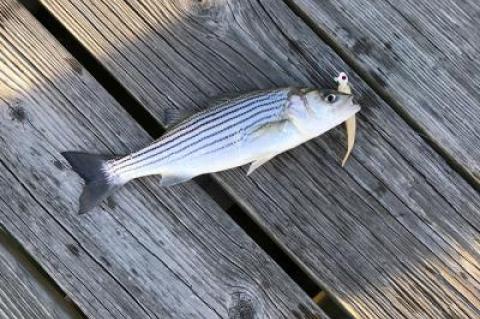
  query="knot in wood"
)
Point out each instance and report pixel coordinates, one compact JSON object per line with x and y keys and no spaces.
{"x":242,"y":306}
{"x":206,"y":9}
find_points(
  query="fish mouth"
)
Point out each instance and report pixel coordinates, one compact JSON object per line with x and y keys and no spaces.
{"x":354,"y":99}
{"x":352,"y":104}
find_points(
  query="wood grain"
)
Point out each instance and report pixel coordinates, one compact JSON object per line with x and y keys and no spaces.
{"x":146,"y":253}
{"x":394,"y":235}
{"x":423,"y":54}
{"x":24,"y":291}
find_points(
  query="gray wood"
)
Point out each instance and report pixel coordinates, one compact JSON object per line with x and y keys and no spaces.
{"x":24,"y":291}
{"x":424,"y":54}
{"x":394,"y":235}
{"x":146,"y":253}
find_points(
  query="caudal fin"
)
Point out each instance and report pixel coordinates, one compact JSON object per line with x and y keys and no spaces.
{"x":98,"y":183}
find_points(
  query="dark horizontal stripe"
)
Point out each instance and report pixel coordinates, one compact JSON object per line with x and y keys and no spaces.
{"x":264,"y":118}
{"x":227,"y":136}
{"x":179,"y":141}
{"x":196,"y":120}
{"x":122,"y":170}
{"x":216,"y":113}
{"x":257,"y":96}
{"x":217,"y":141}
{"x":207,"y":137}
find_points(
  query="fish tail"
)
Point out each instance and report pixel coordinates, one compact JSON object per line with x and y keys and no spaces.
{"x":100,"y":182}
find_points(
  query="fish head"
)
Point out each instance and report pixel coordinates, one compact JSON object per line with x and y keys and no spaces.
{"x":329,"y":103}
{"x":319,"y":110}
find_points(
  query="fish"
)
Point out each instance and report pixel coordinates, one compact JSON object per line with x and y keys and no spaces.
{"x":250,"y":129}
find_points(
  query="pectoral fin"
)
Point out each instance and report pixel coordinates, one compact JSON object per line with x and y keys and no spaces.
{"x":273,"y":127}
{"x":169,"y":180}
{"x":259,"y":163}
{"x":350,"y":126}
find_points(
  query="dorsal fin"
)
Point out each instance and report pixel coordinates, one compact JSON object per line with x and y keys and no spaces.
{"x":225,"y":98}
{"x":172,"y":117}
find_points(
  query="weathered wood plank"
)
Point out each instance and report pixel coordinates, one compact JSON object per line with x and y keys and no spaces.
{"x":422,"y":53}
{"x":392,"y":236}
{"x":24,"y":291}
{"x":147,"y":253}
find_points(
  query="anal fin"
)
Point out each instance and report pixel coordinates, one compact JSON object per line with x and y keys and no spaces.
{"x":259,"y":163}
{"x":272,"y":127}
{"x":170,"y":180}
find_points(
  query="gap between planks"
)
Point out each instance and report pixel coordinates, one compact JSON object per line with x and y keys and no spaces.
{"x":384,"y":95}
{"x":210,"y":185}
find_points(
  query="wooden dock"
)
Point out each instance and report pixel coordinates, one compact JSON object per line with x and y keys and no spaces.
{"x":394,"y":234}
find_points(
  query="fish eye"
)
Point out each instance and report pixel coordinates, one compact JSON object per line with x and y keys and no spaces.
{"x":331,"y":98}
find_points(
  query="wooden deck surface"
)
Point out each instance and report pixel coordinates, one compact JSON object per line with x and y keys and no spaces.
{"x":24,"y":291}
{"x":395,"y":234}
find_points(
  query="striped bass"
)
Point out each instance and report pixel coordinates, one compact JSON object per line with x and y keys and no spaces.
{"x":250,"y":129}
